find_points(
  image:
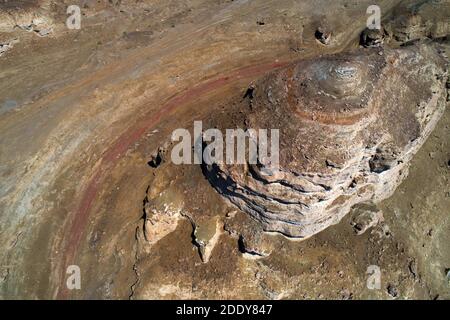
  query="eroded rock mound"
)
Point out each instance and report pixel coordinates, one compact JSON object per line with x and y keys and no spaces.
{"x":349,"y":125}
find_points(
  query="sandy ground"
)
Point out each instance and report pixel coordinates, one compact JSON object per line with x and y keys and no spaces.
{"x":82,"y":111}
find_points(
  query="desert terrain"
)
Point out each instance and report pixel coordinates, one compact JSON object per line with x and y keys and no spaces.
{"x":86,"y":117}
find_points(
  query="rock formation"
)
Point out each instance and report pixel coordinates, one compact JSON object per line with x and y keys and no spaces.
{"x":349,"y":126}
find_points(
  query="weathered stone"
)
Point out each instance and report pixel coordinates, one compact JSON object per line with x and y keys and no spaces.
{"x":364,"y":113}
{"x":371,"y":38}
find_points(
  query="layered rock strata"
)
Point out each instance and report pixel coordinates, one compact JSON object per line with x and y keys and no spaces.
{"x":349,"y":126}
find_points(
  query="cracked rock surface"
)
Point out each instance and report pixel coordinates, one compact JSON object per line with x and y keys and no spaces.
{"x":349,"y":126}
{"x":86,"y":117}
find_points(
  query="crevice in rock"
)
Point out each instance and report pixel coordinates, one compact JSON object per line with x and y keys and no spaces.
{"x":157,"y":158}
{"x":135,"y":267}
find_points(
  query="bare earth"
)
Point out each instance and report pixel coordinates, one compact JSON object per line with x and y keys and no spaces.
{"x":83,"y":111}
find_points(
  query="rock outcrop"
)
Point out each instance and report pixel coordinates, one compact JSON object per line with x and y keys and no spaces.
{"x":349,"y":126}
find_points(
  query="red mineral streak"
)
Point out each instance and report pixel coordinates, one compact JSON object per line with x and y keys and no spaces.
{"x":118,"y":149}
